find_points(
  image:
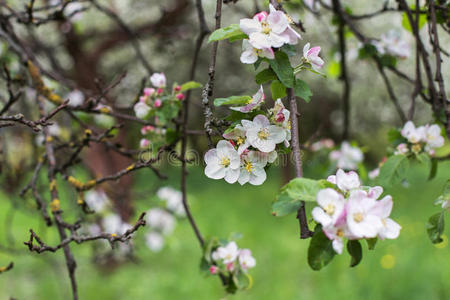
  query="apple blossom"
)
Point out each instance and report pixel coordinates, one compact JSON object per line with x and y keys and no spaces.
{"x":433,"y":136}
{"x":253,"y":103}
{"x":154,"y":241}
{"x":160,"y":219}
{"x":347,"y":157}
{"x":148,"y":91}
{"x":390,"y":229}
{"x":76,"y":98}
{"x":173,"y":198}
{"x":227,"y":254}
{"x":141,"y":110}
{"x":213,"y":269}
{"x":143,"y":143}
{"x":282,"y":118}
{"x":238,"y":135}
{"x":157,"y":103}
{"x":180,"y":96}
{"x":158,"y":80}
{"x":251,"y":54}
{"x":401,"y":149}
{"x":246,"y":260}
{"x":413,"y":134}
{"x":113,"y":224}
{"x":312,"y":56}
{"x":269,"y":30}
{"x":347,"y":181}
{"x":336,"y":235}
{"x":223,"y":162}
{"x":262,"y":135}
{"x":395,"y":45}
{"x":331,"y":207}
{"x":362,"y":218}
{"x":252,"y":168}
{"x":96,"y":200}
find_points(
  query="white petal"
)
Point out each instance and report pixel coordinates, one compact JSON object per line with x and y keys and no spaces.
{"x":249,"y":26}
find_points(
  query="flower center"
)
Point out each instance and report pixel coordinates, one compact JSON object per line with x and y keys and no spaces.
{"x":240,"y":141}
{"x":358,"y":217}
{"x":263,"y":134}
{"x":340,"y":232}
{"x":329,"y":209}
{"x":248,"y":166}
{"x":265,"y":28}
{"x":225,"y":162}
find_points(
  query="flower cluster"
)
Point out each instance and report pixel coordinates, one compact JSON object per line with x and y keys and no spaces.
{"x":251,"y":145}
{"x":347,"y":157}
{"x":423,"y":138}
{"x":321,"y":145}
{"x":231,"y":260}
{"x":391,"y":43}
{"x":162,"y":221}
{"x":266,"y":31}
{"x":350,"y":211}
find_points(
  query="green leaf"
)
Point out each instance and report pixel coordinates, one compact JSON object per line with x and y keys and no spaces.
{"x":388,"y":60}
{"x":435,"y":227}
{"x":290,"y":50}
{"x":190,"y":85}
{"x":368,"y":50}
{"x":424,"y":159}
{"x":285,"y":205}
{"x":233,"y":100}
{"x":395,"y":137}
{"x":305,"y":189}
{"x":265,"y":76}
{"x":433,"y":169}
{"x":355,"y":250}
{"x":278,"y":90}
{"x":232,"y":32}
{"x":320,"y":251}
{"x":371,"y":243}
{"x":302,"y":90}
{"x":282,"y":67}
{"x":405,"y":19}
{"x":393,"y":170}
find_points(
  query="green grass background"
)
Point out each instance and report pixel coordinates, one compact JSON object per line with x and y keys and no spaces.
{"x":413,"y":268}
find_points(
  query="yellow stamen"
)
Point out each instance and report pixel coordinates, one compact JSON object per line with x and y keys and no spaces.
{"x":225,"y":162}
{"x":265,"y":28}
{"x":340,"y":232}
{"x":248,"y":166}
{"x":240,"y":141}
{"x":263,"y":134}
{"x":329,"y":209}
{"x":358,"y":217}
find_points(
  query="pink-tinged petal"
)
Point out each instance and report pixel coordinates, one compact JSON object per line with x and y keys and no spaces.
{"x":261,"y":120}
{"x":383,"y":207}
{"x":268,"y":53}
{"x":314,"y":51}
{"x":278,"y":21}
{"x":259,"y":40}
{"x":261,"y":16}
{"x":249,"y":57}
{"x":305,"y":50}
{"x":291,"y":35}
{"x":317,"y":62}
{"x":249,"y":26}
{"x":277,"y":40}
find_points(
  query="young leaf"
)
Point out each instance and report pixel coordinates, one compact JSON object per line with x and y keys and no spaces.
{"x":424,"y":159}
{"x":232,"y":32}
{"x":265,"y":75}
{"x":282,"y":67}
{"x":388,"y":61}
{"x":290,"y":50}
{"x":190,"y":85}
{"x":371,"y":243}
{"x":305,"y":189}
{"x":393,"y":170}
{"x":278,"y":90}
{"x":285,"y":205}
{"x":405,"y":20}
{"x":433,"y":170}
{"x":302,"y":90}
{"x":435,"y":227}
{"x":320,"y":251}
{"x":233,"y":100}
{"x":355,"y":250}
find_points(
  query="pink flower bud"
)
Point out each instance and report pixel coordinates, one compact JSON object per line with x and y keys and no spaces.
{"x":279,"y":117}
{"x":261,"y":16}
{"x":148,"y":91}
{"x":159,"y":91}
{"x":213,"y":270}
{"x":150,"y":128}
{"x":158,"y":103}
{"x":143,"y":99}
{"x":177,"y":88}
{"x":232,"y":143}
{"x":180,"y":96}
{"x":230,"y":267}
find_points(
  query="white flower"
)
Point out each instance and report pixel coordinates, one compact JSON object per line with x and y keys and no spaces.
{"x":446,"y":204}
{"x":394,"y":44}
{"x":54,"y":129}
{"x":228,"y":254}
{"x":374,"y":173}
{"x":262,"y":135}
{"x":252,"y":168}
{"x":347,"y":157}
{"x":401,"y":149}
{"x":390,"y":229}
{"x":173,"y":198}
{"x":76,"y":98}
{"x":331,"y":207}
{"x":433,"y":137}
{"x":141,"y":110}
{"x":362,"y":218}
{"x":250,"y":54}
{"x":336,"y":235}
{"x":160,"y":219}
{"x":154,"y":241}
{"x":246,"y":260}
{"x":312,"y":57}
{"x":114,"y":224}
{"x":254,"y":103}
{"x":269,"y":30}
{"x":281,"y":117}
{"x":238,"y":135}
{"x":347,"y":181}
{"x":413,"y":134}
{"x":96,"y":200}
{"x":158,"y":80}
{"x":223,"y":162}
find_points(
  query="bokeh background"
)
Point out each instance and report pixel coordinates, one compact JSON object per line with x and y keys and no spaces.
{"x":91,"y":46}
